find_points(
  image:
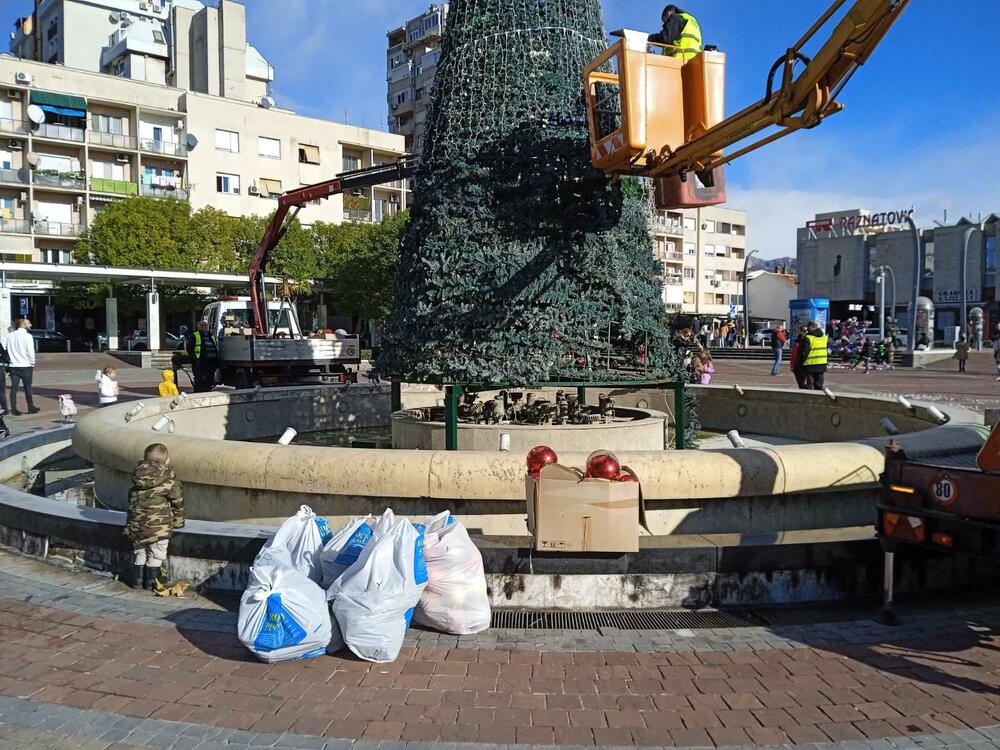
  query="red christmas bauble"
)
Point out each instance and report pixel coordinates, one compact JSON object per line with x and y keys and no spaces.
{"x":627,"y":478}
{"x":603,"y":465}
{"x":539,"y":456}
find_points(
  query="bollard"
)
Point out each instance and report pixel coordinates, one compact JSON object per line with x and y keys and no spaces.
{"x":287,"y":436}
{"x":889,"y":426}
{"x":736,"y":439}
{"x":901,"y":400}
{"x":505,"y":442}
{"x":162,"y":424}
{"x":131,"y":413}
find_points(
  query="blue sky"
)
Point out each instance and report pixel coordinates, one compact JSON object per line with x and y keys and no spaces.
{"x":920,"y":130}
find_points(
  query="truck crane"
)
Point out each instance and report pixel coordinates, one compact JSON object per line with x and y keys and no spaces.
{"x":648,"y":115}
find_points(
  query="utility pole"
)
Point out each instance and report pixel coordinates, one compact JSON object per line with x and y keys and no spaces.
{"x":746,"y":299}
{"x":965,"y":272}
{"x":881,"y":303}
{"x":918,"y":272}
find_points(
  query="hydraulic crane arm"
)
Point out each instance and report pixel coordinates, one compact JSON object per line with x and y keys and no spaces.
{"x":289,"y":205}
{"x":798,"y":102}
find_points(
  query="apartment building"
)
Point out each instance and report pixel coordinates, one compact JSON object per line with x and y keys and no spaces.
{"x":74,"y":139}
{"x":411,"y":63}
{"x":702,"y":251}
{"x":179,"y":43}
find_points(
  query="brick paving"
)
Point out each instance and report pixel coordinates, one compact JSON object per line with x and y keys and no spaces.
{"x":150,"y":681}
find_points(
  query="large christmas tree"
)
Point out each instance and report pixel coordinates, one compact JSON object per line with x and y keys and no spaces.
{"x":522,"y":263}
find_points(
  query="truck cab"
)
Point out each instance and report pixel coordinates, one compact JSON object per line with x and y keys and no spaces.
{"x":282,"y":317}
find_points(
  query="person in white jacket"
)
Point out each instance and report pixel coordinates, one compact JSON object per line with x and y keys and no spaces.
{"x":21,"y":352}
{"x":107,"y":386}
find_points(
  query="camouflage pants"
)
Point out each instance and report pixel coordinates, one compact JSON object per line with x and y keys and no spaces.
{"x":151,"y":555}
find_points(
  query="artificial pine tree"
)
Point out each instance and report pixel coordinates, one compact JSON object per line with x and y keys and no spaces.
{"x":522,"y":263}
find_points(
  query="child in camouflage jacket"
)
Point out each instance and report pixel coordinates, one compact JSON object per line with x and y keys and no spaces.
{"x":155,"y":509}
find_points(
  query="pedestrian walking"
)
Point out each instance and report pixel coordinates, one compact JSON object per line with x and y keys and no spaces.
{"x":815,"y":356}
{"x":155,"y":509}
{"x":962,"y":353}
{"x":795,"y":358}
{"x":778,"y":340}
{"x":107,"y":386}
{"x":21,"y":354}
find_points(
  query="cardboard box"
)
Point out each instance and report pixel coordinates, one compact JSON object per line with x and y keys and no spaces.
{"x":567,"y":513}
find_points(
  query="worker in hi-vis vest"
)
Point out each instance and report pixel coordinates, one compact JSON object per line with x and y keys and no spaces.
{"x":815,"y":355}
{"x":203,"y":349}
{"x":681,"y":31}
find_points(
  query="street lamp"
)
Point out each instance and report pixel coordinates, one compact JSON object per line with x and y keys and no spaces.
{"x":911,"y":340}
{"x":965,"y":272}
{"x":746,"y":299}
{"x":882,"y":270}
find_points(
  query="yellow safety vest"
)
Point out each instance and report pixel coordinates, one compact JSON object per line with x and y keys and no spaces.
{"x":818,"y":354}
{"x":197,"y":344}
{"x":690,"y":42}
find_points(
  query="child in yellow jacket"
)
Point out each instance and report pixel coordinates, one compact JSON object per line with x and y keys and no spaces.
{"x":168,"y":387}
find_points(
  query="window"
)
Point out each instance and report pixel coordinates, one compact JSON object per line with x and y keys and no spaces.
{"x":227,"y":140}
{"x":710,"y":251}
{"x":121,"y":69}
{"x":6,"y":159}
{"x":689,"y":222}
{"x":710,"y":275}
{"x":708,"y":225}
{"x":415,"y":34}
{"x":721,"y":251}
{"x":6,"y":110}
{"x":108,"y":124}
{"x":725,"y":228}
{"x":158,"y":37}
{"x":351,"y":162}
{"x":161,"y":177}
{"x":709,"y":298}
{"x":397,"y":60}
{"x":270,"y":188}
{"x":690,"y":248}
{"x":739,"y":230}
{"x":308,"y":154}
{"x":402,"y":97}
{"x":157,"y":134}
{"x":56,"y":163}
{"x":56,"y":256}
{"x":419,"y":95}
{"x":432,"y":22}
{"x":269,"y":148}
{"x":6,"y":208}
{"x":109,"y":170}
{"x":227,"y":183}
{"x":688,"y":273}
{"x":689,"y":298}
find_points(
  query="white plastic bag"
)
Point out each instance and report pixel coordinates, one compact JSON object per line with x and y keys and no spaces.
{"x":374,"y":599}
{"x":346,"y":545}
{"x":298,"y":543}
{"x":455,"y":599}
{"x":283,"y":615}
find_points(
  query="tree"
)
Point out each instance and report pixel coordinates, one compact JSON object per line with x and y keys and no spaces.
{"x":293,"y":259}
{"x":139,"y":233}
{"x":358,"y":264}
{"x":522,"y":263}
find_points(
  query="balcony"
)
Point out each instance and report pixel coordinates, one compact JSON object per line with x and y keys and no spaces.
{"x":13,"y":177}
{"x":673,"y":280}
{"x":60,"y":132}
{"x":669,"y":257}
{"x":12,"y":126}
{"x":163,"y":147}
{"x":15,"y":226}
{"x":671,"y":228}
{"x":58,"y":229}
{"x":111,"y":140}
{"x":163,"y":191}
{"x":354,"y":214}
{"x":65,"y":180}
{"x":114,"y":187}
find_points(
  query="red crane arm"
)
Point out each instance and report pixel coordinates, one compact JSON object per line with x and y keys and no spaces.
{"x":289,"y":205}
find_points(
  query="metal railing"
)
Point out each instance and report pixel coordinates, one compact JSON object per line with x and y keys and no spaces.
{"x":13,"y":176}
{"x":353,"y":214}
{"x":60,"y":180}
{"x":15,"y":226}
{"x":671,"y":257}
{"x":673,"y":280}
{"x":160,"y":191}
{"x":60,"y":132}
{"x":58,"y":228}
{"x":163,"y":147}
{"x":114,"y":140}
{"x":115,"y":187}
{"x":669,"y":227}
{"x":12,"y":126}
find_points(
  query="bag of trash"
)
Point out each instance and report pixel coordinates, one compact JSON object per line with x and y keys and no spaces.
{"x":283,"y":615}
{"x":298,"y":543}
{"x":374,"y":599}
{"x":455,"y":599}
{"x":343,"y":549}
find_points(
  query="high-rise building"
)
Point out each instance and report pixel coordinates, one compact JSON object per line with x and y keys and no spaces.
{"x":411,"y":62}
{"x":702,"y":251}
{"x":179,"y":43}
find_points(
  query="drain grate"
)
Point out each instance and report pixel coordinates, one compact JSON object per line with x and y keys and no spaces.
{"x":625,"y":619}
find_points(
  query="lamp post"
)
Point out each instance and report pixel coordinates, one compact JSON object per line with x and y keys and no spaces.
{"x":746,"y":299}
{"x":965,"y":272}
{"x":911,"y":340}
{"x":880,"y":280}
{"x":892,"y":278}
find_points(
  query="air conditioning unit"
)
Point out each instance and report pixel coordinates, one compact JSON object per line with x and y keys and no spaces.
{"x":121,"y":158}
{"x":14,"y":93}
{"x":253,"y":190}
{"x":24,"y":78}
{"x":704,"y":227}
{"x":143,"y":6}
{"x":716,"y":283}
{"x":393,"y":199}
{"x":14,"y":145}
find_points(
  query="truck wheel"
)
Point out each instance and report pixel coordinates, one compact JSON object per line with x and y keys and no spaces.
{"x":242,"y":380}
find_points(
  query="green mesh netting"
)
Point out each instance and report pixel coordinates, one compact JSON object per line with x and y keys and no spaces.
{"x":522,"y":263}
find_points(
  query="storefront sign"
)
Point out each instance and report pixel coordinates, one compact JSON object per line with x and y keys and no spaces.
{"x":877,"y":220}
{"x":972,"y":294}
{"x":24,"y":306}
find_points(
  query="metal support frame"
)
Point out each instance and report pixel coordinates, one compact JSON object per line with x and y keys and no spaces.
{"x":454,"y":392}
{"x":888,"y":614}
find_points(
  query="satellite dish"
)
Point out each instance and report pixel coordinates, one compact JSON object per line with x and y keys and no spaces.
{"x":32,"y":159}
{"x":192,"y":141}
{"x":36,"y":114}
{"x":267,"y":102}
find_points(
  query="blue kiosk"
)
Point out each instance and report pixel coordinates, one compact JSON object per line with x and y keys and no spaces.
{"x":801,"y":311}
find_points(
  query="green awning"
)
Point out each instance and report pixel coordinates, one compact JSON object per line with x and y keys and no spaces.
{"x":59,"y":101}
